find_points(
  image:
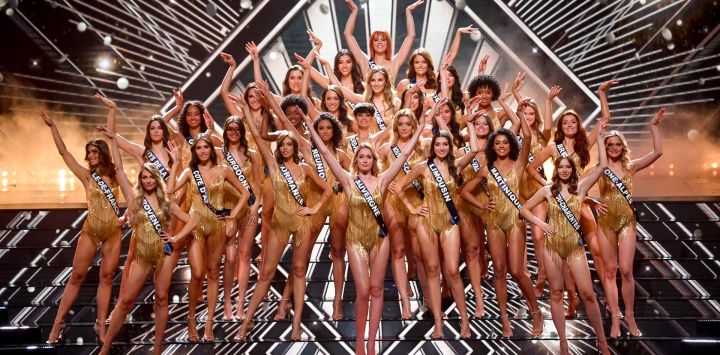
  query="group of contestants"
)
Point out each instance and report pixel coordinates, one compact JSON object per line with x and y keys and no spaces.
{"x":422,"y":174}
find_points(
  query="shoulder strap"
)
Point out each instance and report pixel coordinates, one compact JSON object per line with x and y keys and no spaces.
{"x":190,"y":139}
{"x":374,"y":208}
{"x":406,"y":169}
{"x":622,"y":188}
{"x":319,"y":165}
{"x":156,"y":225}
{"x":379,"y":118}
{"x":107,"y":192}
{"x":203,"y":192}
{"x":292,"y":185}
{"x":570,"y":216}
{"x":354,"y":143}
{"x":454,"y":216}
{"x":239,"y":173}
{"x":561,"y":149}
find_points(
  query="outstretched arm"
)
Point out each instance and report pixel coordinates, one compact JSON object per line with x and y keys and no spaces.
{"x":552,"y":94}
{"x":264,"y":149}
{"x":353,"y":46}
{"x":474,"y":148}
{"x":402,"y":54}
{"x":72,"y":164}
{"x":604,"y":110}
{"x":455,"y":46}
{"x":509,"y":113}
{"x":389,"y":175}
{"x":227,"y":82}
{"x":644,"y":162}
{"x":340,"y":174}
{"x":585,"y":184}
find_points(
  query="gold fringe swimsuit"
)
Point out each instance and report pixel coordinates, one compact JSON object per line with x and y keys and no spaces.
{"x":620,"y":217}
{"x":207,"y":223}
{"x":564,"y":243}
{"x":529,"y":186}
{"x":505,"y":216}
{"x":438,"y":221}
{"x":285,"y":219}
{"x":232,"y":195}
{"x":148,"y":244}
{"x":362,"y":233}
{"x":101,"y":222}
{"x":392,"y":201}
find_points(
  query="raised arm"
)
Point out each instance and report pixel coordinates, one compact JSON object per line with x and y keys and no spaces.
{"x":389,"y":175}
{"x":517,"y":85}
{"x":252,"y":50}
{"x":522,"y":161}
{"x":175,"y":183}
{"x":264,"y":149}
{"x":455,"y":46}
{"x":78,"y":170}
{"x":509,"y":113}
{"x":540,"y":158}
{"x":604,"y":110}
{"x":179,"y":102}
{"x":644,"y":162}
{"x":482,"y":66}
{"x":227,"y":82}
{"x":402,"y":54}
{"x":474,"y":148}
{"x":340,"y":174}
{"x":552,"y":94}
{"x":353,"y":46}
{"x":122,"y":178}
{"x":591,"y":178}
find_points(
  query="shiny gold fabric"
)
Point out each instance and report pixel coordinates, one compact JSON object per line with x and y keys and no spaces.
{"x":207,"y":223}
{"x":574,"y":157}
{"x":505,"y":216}
{"x":148,"y":244}
{"x":362,"y":233}
{"x":392,"y":201}
{"x":529,"y":186}
{"x":564,"y":243}
{"x":438,"y":221}
{"x":101,"y":222}
{"x":285,"y":219}
{"x":185,"y":154}
{"x":619,"y":217}
{"x":231,"y":194}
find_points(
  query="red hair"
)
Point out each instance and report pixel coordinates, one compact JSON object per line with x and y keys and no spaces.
{"x":386,"y":34}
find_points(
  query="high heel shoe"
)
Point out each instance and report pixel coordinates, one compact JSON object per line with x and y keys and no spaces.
{"x":283,"y":311}
{"x":59,"y":336}
{"x":193,"y":336}
{"x":436,"y":336}
{"x":227,"y":310}
{"x":614,"y":323}
{"x":630,"y":319}
{"x":507,"y":328}
{"x":479,"y":305}
{"x":465,"y":332}
{"x":566,"y":347}
{"x":99,"y":329}
{"x":337,"y":310}
{"x":405,"y":313}
{"x":209,"y":327}
{"x":535,"y":314}
{"x":241,"y":336}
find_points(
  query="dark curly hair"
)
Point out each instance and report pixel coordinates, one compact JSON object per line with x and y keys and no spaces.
{"x":343,"y":110}
{"x":213,"y":156}
{"x":452,"y":169}
{"x":294,"y":100}
{"x":581,"y":145}
{"x":243,"y":140}
{"x":166,"y":135}
{"x":557,"y":184}
{"x":182,"y":120}
{"x":456,"y":94}
{"x":490,"y":154}
{"x":337,"y":135}
{"x":453,"y":125}
{"x":355,"y":73}
{"x":481,"y":81}
{"x":105,"y":165}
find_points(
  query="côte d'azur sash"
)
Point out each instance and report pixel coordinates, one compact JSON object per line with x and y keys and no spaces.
{"x":203,"y":192}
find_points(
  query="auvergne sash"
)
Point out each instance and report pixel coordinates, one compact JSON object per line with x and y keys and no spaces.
{"x":570,"y":216}
{"x":203,"y":192}
{"x":495,"y":173}
{"x":354,"y":143}
{"x":474,"y":162}
{"x":155,"y":161}
{"x":107,"y":192}
{"x":406,"y":169}
{"x":454,"y":216}
{"x":622,"y":188}
{"x":238,"y":172}
{"x":292,"y":185}
{"x":374,"y":208}
{"x":152,"y":217}
{"x":379,"y":119}
{"x":319,"y":165}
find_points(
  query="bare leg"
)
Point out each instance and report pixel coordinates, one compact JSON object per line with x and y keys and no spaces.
{"x":589,"y":228}
{"x":498,"y":250}
{"x":197,"y":258}
{"x":626,"y":255}
{"x":610,"y":258}
{"x":472,"y":243}
{"x":110,"y":256}
{"x":451,"y":249}
{"x":579,"y":268}
{"x":516,"y":261}
{"x":229,"y":268}
{"x":359,"y":270}
{"x":396,"y":229}
{"x":554,"y":269}
{"x":300,"y":258}
{"x":428,"y":242}
{"x":215,"y":249}
{"x":245,"y":243}
{"x":538,"y":238}
{"x":338,"y":228}
{"x":419,"y":261}
{"x":378,"y":265}
{"x":163,"y":277}
{"x":573,"y":300}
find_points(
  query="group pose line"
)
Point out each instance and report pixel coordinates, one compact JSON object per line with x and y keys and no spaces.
{"x":414,"y":172}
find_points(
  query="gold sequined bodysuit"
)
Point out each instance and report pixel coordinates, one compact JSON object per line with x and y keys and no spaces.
{"x":574,"y":157}
{"x":620,"y":217}
{"x":469,"y":173}
{"x":101,"y":222}
{"x":207,"y":223}
{"x":564,"y":243}
{"x":285,"y":219}
{"x":392,"y":201}
{"x":438,"y":221}
{"x":505,"y":216}
{"x":362,"y":232}
{"x":148,"y":244}
{"x":232,"y":195}
{"x":529,"y":186}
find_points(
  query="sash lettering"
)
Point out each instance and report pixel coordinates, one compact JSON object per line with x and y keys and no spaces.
{"x":372,"y":65}
{"x":168,"y":249}
{"x":190,"y":139}
{"x":379,"y":119}
{"x":238,"y":172}
{"x":354,"y":144}
{"x":155,"y":161}
{"x":622,"y":188}
{"x":474,"y":163}
{"x":504,"y":186}
{"x":406,"y":169}
{"x":292,"y":185}
{"x":561,"y":149}
{"x":570,"y":216}
{"x":107,"y":192}
{"x":203,"y":192}
{"x":374,"y":208}
{"x":319,"y":166}
{"x":436,"y":97}
{"x":454,"y":216}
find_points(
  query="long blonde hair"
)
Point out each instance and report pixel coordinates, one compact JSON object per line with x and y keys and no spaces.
{"x":387,"y":92}
{"x":164,"y":213}
{"x":624,"y":156}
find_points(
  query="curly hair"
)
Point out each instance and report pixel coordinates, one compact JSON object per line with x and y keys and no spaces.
{"x":375,"y":167}
{"x":164,"y":213}
{"x":418,"y":111}
{"x":490,"y":154}
{"x":624,"y":156}
{"x":337,"y":135}
{"x":294,"y":100}
{"x":296,"y":149}
{"x":387,"y":92}
{"x":453,"y":125}
{"x":182,"y":118}
{"x":406,"y":112}
{"x":581,"y":145}
{"x":213,"y":156}
{"x":481,"y":81}
{"x":355,"y":73}
{"x":242,"y":132}
{"x":105,"y":165}
{"x":557,"y":184}
{"x":166,"y":135}
{"x":456,"y":94}
{"x":342,"y":108}
{"x":263,"y":110}
{"x":431,"y":82}
{"x":452,"y":169}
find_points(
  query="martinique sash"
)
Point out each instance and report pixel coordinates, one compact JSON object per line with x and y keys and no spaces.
{"x":474,"y":162}
{"x":243,"y":180}
{"x":622,"y":188}
{"x":504,"y":186}
{"x":203,"y":192}
{"x":292,"y":185}
{"x":372,"y":204}
{"x":406,"y":169}
{"x":354,"y":143}
{"x":156,"y":225}
{"x":107,"y":192}
{"x":531,"y":157}
{"x":190,"y":139}
{"x":570,"y":216}
{"x":319,"y":165}
{"x":155,"y":161}
{"x":379,"y":119}
{"x":454,"y":216}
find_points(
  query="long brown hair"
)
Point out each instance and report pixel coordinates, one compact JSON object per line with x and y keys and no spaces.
{"x":105,"y":165}
{"x":537,"y":125}
{"x":581,"y":146}
{"x":452,"y":169}
{"x":557,"y":184}
{"x":387,"y":92}
{"x":342,"y":116}
{"x":182,"y":118}
{"x":213,"y":156}
{"x":355,"y":73}
{"x":296,"y":149}
{"x":166,"y":136}
{"x":431,"y":82}
{"x":243,"y":140}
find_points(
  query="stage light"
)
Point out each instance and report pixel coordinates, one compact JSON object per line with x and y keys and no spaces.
{"x":475,"y":36}
{"x":107,"y":40}
{"x":671,"y":46}
{"x":324,"y":9}
{"x":82,"y":26}
{"x":714,"y":165}
{"x":273,"y":55}
{"x":610,"y":38}
{"x":123,"y":83}
{"x":211,"y":9}
{"x":672,"y":173}
{"x":693,"y":134}
{"x":80,"y":341}
{"x":534,"y":50}
{"x":460,"y":4}
{"x":666,"y":33}
{"x":142,"y":67}
{"x":245,"y":4}
{"x":207,"y":74}
{"x":10,"y":11}
{"x":714,"y":172}
{"x":679,"y":22}
{"x":4,"y":173}
{"x":105,"y":63}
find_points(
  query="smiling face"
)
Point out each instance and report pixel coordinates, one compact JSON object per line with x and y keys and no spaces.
{"x":614,"y":147}
{"x":377,"y":83}
{"x":445,"y":113}
{"x":344,"y":64}
{"x":203,"y":150}
{"x":233,"y":132}
{"x":294,"y":114}
{"x":363,"y":120}
{"x":450,"y":79}
{"x":404,"y":127}
{"x":332,"y":101}
{"x":482,"y":128}
{"x":294,"y":81}
{"x":501,"y":145}
{"x":325,"y":130}
{"x":569,"y":125}
{"x":441,"y":147}
{"x":380,"y":42}
{"x":92,"y":155}
{"x":253,"y":99}
{"x":529,"y":113}
{"x":420,"y":64}
{"x":485,"y":94}
{"x":148,"y":181}
{"x":193,"y":117}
